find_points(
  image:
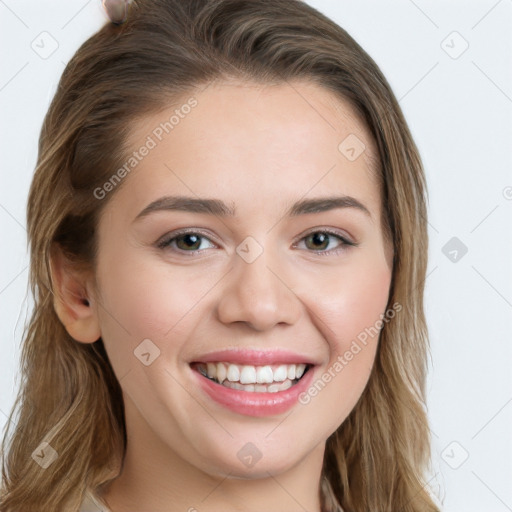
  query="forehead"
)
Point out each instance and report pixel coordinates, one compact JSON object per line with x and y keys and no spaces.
{"x":245,"y":141}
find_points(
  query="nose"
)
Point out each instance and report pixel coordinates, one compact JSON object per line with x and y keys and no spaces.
{"x":258,"y":294}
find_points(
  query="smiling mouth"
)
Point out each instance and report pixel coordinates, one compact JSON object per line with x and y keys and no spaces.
{"x":263,"y":379}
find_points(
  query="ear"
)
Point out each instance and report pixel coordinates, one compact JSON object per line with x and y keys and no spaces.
{"x":72,"y":300}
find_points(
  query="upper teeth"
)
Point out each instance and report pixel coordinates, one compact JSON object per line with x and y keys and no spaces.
{"x":247,"y":374}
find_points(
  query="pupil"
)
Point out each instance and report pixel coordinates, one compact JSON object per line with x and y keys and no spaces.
{"x":319,"y":238}
{"x":187,"y":237}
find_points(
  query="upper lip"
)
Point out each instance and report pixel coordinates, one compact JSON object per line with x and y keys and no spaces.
{"x":254,"y":357}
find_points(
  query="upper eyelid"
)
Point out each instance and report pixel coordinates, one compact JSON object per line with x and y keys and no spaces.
{"x":329,"y":231}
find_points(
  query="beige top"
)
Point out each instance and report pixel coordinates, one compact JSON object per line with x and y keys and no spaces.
{"x":91,"y":504}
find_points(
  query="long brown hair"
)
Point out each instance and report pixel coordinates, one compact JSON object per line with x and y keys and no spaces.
{"x":69,"y":396}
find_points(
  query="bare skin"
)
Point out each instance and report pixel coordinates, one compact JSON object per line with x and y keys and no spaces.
{"x":259,"y":149}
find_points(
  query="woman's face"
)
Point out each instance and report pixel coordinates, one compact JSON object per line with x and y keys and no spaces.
{"x":269,"y":288}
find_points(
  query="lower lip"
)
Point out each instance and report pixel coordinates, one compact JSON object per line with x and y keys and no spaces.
{"x":252,"y":403}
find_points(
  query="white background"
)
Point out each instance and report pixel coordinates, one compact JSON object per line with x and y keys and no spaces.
{"x":459,"y":108}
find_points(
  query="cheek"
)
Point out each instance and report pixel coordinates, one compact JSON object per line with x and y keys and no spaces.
{"x":347,"y":308}
{"x":362,"y":302}
{"x":150,"y":301}
{"x":348,"y":299}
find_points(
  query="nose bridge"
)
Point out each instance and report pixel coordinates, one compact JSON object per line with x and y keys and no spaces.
{"x":256,"y":293}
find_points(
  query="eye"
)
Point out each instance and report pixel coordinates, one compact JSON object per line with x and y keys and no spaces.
{"x":320,"y":240}
{"x":185,"y":241}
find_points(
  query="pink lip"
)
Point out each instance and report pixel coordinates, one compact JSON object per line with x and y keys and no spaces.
{"x":254,"y":403}
{"x":254,"y":357}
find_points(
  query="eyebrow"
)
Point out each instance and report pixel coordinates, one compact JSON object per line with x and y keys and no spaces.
{"x":219,"y":208}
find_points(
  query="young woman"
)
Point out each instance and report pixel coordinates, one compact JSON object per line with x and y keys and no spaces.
{"x":228,"y":242}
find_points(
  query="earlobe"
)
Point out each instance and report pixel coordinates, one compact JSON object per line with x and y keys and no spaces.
{"x":71,"y":301}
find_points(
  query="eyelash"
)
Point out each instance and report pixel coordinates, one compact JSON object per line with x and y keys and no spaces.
{"x":166,"y":241}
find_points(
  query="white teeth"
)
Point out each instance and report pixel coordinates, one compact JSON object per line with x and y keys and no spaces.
{"x":285,"y":385}
{"x":233,"y":373}
{"x":211,"y":368}
{"x":221,"y":372}
{"x":281,"y":373}
{"x":299,"y":370}
{"x":234,"y":385}
{"x":264,"y":375}
{"x":274,"y":388}
{"x":249,"y":374}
